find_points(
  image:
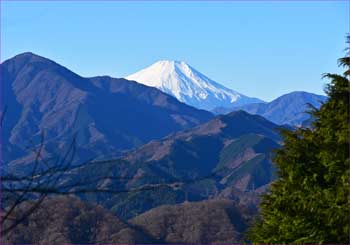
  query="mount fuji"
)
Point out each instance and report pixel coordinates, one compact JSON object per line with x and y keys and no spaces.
{"x":188,"y":85}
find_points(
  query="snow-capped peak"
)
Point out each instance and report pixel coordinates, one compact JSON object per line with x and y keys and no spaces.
{"x":188,"y":85}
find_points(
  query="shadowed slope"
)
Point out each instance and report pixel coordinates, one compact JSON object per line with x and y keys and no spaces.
{"x":103,"y":114}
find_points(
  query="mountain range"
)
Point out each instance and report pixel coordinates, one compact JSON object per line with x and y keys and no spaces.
{"x":216,"y":172}
{"x":228,"y":157}
{"x":181,"y":174}
{"x":291,"y":108}
{"x":192,"y":87}
{"x":103,"y":115}
{"x":188,"y":85}
{"x":153,"y":136}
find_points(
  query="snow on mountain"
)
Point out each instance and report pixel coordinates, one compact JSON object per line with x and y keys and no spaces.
{"x":189,"y":85}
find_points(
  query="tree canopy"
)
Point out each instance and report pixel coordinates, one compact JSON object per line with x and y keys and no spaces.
{"x":309,"y":203}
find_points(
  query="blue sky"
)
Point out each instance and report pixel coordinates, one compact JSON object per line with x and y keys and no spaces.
{"x":261,"y":49}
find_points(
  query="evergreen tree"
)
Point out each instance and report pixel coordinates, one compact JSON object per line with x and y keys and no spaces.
{"x":309,"y":203}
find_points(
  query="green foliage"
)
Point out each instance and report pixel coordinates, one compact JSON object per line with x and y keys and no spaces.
{"x":309,"y":203}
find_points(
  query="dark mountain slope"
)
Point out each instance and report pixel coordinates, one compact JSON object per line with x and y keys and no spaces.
{"x":206,"y":222}
{"x":104,"y":114}
{"x":232,"y":151}
{"x":66,"y":220}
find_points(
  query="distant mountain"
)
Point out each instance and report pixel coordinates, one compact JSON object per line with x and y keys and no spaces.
{"x":229,"y":154}
{"x":189,"y":85}
{"x":103,"y":114}
{"x":206,"y":222}
{"x":287,"y":109}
